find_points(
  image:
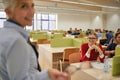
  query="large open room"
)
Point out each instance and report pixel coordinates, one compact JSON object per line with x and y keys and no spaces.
{"x":77,"y":37}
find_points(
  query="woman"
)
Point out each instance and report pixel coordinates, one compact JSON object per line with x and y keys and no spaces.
{"x":17,"y":57}
{"x":91,"y":51}
{"x":110,"y":50}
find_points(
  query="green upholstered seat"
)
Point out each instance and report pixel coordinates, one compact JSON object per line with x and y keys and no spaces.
{"x":59,"y":35}
{"x":53,"y":36}
{"x":78,"y":41}
{"x":61,"y":42}
{"x":116,"y":66}
{"x":37,"y":36}
{"x":67,"y":42}
{"x":117,"y":51}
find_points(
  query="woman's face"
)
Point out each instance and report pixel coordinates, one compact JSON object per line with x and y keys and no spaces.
{"x":92,"y":39}
{"x":23,"y":12}
{"x":118,"y":39}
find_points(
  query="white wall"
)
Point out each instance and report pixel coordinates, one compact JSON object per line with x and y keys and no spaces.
{"x":113,"y":21}
{"x":96,"y":21}
{"x":65,"y":21}
{"x":88,"y":21}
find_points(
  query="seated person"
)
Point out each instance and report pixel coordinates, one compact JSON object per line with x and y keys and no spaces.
{"x":110,"y":50}
{"x":109,"y":36}
{"x":91,"y":51}
{"x":76,"y":32}
{"x":69,"y":31}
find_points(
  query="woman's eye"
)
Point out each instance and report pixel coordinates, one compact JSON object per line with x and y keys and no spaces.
{"x":32,"y":5}
{"x":23,"y":6}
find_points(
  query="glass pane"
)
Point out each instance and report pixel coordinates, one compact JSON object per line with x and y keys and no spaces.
{"x":52,"y":25}
{"x":52,"y":17}
{"x":44,"y":25}
{"x":39,"y":16}
{"x":45,"y":16}
{"x":2,"y":15}
{"x":38,"y":24}
{"x":2,"y":22}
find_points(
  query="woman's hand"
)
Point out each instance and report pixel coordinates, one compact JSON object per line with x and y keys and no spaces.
{"x":91,"y":47}
{"x":97,"y":48}
{"x":57,"y":75}
{"x":112,"y":51}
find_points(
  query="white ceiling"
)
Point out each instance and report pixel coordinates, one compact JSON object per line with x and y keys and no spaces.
{"x":69,"y":6}
{"x":103,"y":6}
{"x":93,"y":2}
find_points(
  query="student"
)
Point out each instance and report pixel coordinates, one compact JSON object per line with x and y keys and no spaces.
{"x":92,"y":50}
{"x":110,"y":50}
{"x":17,"y":57}
{"x":70,"y":31}
{"x":109,"y":36}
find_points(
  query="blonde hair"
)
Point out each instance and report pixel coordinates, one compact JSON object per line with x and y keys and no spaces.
{"x":9,"y":3}
{"x":93,"y":33}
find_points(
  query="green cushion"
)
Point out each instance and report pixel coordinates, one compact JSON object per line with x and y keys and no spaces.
{"x":59,"y":35}
{"x":78,"y":41}
{"x":61,"y":42}
{"x":53,"y":36}
{"x":117,"y":51}
{"x":58,"y":31}
{"x":37,"y":36}
{"x":116,"y":66}
{"x":49,"y":36}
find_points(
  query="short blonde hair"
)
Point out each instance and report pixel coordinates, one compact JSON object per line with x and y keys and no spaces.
{"x":9,"y":3}
{"x":93,"y":33}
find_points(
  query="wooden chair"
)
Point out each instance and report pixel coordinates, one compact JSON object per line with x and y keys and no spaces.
{"x":69,"y":51}
{"x":74,"y":57}
{"x":64,"y":62}
{"x":43,"y":41}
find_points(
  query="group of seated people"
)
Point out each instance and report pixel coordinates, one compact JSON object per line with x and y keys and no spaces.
{"x":92,"y":51}
{"x":74,"y":32}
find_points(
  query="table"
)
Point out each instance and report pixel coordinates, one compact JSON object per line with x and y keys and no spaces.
{"x":93,"y":74}
{"x":81,"y":75}
{"x":48,"y":57}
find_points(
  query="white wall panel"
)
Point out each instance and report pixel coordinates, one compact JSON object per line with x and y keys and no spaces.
{"x":83,"y":21}
{"x":113,"y":21}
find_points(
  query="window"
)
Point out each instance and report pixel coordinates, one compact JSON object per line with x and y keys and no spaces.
{"x":40,"y":21}
{"x":2,"y":18}
{"x":45,"y":22}
{"x":52,"y":22}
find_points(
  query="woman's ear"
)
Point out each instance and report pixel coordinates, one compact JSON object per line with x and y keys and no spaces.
{"x":8,"y":12}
